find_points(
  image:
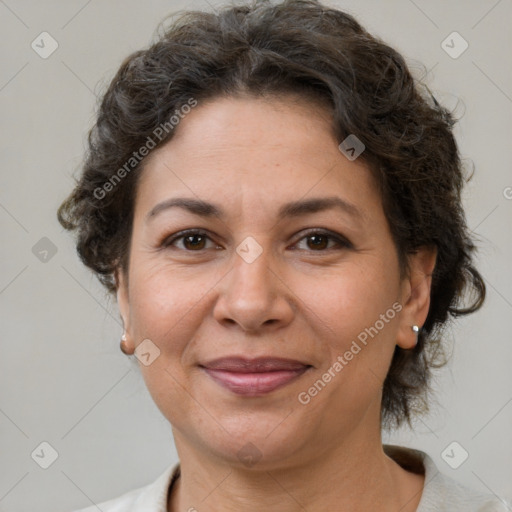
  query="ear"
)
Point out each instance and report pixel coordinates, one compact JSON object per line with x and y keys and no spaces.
{"x":123,"y":301}
{"x":416,"y":295}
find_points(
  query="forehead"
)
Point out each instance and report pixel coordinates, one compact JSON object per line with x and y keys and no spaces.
{"x":261,"y":149}
{"x":255,"y":125}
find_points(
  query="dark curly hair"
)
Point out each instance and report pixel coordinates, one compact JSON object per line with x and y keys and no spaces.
{"x":321,"y":54}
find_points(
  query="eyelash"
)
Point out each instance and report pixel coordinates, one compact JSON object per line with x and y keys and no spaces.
{"x":341,"y":242}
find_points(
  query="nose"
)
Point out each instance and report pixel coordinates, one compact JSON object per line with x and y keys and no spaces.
{"x":254,"y":296}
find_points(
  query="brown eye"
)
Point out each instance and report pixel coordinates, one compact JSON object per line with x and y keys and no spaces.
{"x":191,"y":241}
{"x":320,"y":241}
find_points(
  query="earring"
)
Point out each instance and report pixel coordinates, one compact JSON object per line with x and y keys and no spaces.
{"x":416,"y":330}
{"x":123,"y":347}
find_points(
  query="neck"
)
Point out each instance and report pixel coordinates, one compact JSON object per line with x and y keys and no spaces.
{"x":354,"y":475}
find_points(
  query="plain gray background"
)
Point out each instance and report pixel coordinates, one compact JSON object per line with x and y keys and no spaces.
{"x":64,"y":380}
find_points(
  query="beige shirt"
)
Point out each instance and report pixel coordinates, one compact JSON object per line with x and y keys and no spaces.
{"x":440,"y":493}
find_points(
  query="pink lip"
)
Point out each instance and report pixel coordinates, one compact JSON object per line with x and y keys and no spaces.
{"x":254,"y":377}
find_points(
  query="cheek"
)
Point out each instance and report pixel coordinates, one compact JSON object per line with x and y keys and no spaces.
{"x":166,"y":310}
{"x":164,"y":306}
{"x":356,"y":314}
{"x":161,"y":295}
{"x":352,"y":301}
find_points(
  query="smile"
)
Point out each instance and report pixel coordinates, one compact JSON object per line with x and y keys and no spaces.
{"x":254,"y":378}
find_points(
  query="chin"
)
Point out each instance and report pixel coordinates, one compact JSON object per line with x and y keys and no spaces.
{"x":258,"y":442}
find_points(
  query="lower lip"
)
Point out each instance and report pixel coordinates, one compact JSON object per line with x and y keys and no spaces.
{"x":254,"y":384}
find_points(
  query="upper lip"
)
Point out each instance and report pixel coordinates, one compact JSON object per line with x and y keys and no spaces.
{"x":256,"y":365}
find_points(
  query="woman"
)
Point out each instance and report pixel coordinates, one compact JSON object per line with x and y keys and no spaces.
{"x":276,"y":206}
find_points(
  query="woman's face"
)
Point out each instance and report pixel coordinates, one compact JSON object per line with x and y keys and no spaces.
{"x":275,"y":274}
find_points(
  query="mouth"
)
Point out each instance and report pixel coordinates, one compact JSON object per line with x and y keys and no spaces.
{"x":254,"y":377}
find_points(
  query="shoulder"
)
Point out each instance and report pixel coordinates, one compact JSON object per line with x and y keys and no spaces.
{"x":149,"y":497}
{"x":442,"y":493}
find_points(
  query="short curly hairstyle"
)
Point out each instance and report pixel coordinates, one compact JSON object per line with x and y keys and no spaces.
{"x":299,"y":47}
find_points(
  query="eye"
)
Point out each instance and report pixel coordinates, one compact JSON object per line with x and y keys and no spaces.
{"x":318,"y":241}
{"x":193,"y":240}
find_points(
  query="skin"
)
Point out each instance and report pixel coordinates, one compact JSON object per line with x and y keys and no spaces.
{"x":198,"y":300}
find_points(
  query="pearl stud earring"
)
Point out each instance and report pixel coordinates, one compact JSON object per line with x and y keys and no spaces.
{"x":416,"y":330}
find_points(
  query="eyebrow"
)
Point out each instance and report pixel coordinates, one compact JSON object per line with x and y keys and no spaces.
{"x":292,"y":209}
